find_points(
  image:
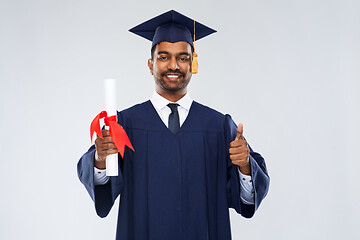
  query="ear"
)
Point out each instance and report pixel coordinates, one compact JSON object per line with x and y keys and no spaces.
{"x":151,"y":66}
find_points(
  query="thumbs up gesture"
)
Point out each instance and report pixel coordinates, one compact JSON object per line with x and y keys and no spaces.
{"x":239,"y":151}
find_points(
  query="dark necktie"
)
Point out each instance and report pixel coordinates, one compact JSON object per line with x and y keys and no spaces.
{"x":174,"y":122}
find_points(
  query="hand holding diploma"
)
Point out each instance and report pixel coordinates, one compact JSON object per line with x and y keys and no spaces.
{"x":104,"y":147}
{"x":239,"y":151}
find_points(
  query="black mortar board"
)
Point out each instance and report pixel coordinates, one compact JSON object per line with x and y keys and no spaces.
{"x":172,"y":27}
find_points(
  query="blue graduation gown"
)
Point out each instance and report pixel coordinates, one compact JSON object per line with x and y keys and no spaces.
{"x":175,"y":186}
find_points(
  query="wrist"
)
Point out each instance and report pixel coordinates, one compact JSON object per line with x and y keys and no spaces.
{"x":246,"y":169}
{"x":99,"y":162}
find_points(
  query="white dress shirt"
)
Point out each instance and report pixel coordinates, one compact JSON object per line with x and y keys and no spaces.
{"x":160,"y":104}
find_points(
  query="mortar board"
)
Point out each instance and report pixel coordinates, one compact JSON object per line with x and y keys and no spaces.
{"x":172,"y":27}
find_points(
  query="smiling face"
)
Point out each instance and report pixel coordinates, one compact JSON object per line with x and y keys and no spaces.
{"x":171,"y":67}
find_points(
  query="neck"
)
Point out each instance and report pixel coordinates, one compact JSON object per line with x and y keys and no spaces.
{"x":172,"y":96}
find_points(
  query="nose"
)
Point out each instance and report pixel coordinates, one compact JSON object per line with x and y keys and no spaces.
{"x":173,"y":65}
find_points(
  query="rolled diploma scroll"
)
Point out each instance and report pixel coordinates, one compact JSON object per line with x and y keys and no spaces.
{"x":110,"y":107}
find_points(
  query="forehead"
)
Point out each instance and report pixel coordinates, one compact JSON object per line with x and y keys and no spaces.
{"x":173,"y":48}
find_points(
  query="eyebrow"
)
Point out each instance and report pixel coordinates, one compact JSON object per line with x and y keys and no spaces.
{"x":163,"y":52}
{"x":181,"y":53}
{"x":184,"y":53}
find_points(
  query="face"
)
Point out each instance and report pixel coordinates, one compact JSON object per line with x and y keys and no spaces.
{"x":171,"y":67}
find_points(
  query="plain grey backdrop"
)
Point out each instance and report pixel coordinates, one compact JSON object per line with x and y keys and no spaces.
{"x":289,"y":70}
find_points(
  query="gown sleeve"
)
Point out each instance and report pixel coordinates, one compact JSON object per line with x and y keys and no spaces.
{"x":103,"y":195}
{"x":259,"y":175}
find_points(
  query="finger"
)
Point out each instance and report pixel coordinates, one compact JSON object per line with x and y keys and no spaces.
{"x":240,"y":130}
{"x":238,"y":157}
{"x":103,"y":154}
{"x":109,"y":152}
{"x":238,"y":143}
{"x":105,"y":133}
{"x":236,"y":150}
{"x":107,"y":146}
{"x":103,"y":136}
{"x":104,"y":140}
{"x":240,"y":163}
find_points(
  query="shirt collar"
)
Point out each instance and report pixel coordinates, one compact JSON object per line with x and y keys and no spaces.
{"x":160,"y":102}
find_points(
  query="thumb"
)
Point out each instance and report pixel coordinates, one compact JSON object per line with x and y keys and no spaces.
{"x":240,"y":130}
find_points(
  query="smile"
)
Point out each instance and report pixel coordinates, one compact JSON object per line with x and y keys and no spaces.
{"x":173,"y":76}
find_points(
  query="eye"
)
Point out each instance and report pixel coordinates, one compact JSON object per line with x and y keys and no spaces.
{"x":184,"y":59}
{"x":162,"y":58}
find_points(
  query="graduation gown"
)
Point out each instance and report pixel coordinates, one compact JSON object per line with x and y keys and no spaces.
{"x":175,"y":186}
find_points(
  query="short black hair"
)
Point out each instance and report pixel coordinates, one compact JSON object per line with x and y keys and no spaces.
{"x":153,"y":50}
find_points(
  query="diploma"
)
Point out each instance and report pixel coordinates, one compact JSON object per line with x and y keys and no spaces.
{"x":110,"y":107}
{"x":117,"y":132}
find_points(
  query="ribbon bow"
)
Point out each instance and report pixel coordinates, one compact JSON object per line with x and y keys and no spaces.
{"x":117,"y":132}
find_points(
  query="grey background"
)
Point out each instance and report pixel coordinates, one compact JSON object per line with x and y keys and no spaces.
{"x":288,"y":70}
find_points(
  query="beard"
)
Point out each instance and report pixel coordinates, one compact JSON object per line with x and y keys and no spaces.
{"x":172,"y":86}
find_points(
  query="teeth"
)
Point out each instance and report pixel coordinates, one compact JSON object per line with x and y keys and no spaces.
{"x":172,"y":76}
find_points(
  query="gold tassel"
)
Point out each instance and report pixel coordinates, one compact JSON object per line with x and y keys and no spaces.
{"x":195,"y":65}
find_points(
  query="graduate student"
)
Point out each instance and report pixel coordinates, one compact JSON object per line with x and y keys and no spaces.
{"x":190,"y":164}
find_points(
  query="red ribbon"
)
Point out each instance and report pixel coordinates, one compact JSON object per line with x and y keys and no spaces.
{"x":117,"y":132}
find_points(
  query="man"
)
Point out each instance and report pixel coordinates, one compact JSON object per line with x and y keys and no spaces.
{"x":190,"y":164}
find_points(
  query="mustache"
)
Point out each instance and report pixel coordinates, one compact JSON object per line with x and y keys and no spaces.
{"x":173,"y":71}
